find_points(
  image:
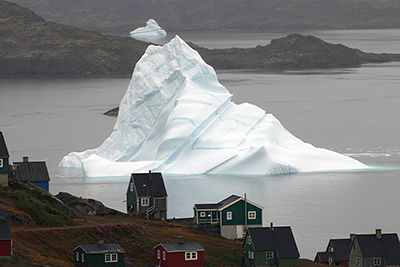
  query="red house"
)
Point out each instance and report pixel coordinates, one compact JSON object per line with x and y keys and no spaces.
{"x":5,"y":240}
{"x":337,"y":253}
{"x":179,"y":254}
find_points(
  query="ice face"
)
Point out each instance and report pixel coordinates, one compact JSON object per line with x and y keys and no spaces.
{"x":151,"y":33}
{"x":178,"y":119}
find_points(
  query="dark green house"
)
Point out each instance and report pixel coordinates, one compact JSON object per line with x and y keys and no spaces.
{"x":99,"y":255}
{"x":4,"y":162}
{"x":270,"y":246}
{"x":230,"y":217}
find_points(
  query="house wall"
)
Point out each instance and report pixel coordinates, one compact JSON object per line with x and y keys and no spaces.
{"x":97,"y":260}
{"x":238,"y":216}
{"x":131,"y":200}
{"x":177,"y":259}
{"x":355,"y":258}
{"x":210,"y":217}
{"x":5,"y":248}
{"x":160,"y":207}
{"x":3,"y":180}
{"x":5,"y":168}
{"x":43,"y":185}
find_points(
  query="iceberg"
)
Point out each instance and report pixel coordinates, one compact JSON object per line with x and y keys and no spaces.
{"x":151,"y":33}
{"x":177,"y":118}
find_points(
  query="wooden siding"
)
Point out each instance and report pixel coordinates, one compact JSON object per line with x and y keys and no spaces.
{"x":5,"y":248}
{"x":5,"y":168}
{"x":177,"y":259}
{"x":97,"y":260}
{"x":238,"y":216}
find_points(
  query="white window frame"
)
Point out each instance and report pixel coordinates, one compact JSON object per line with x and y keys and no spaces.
{"x":131,"y":187}
{"x":377,"y":261}
{"x":144,"y":202}
{"x":269,"y":255}
{"x":1,"y":163}
{"x":164,"y":256}
{"x":191,"y":256}
{"x":202,"y":214}
{"x":250,"y":255}
{"x":77,"y":256}
{"x":249,"y":240}
{"x":83,"y":257}
{"x":110,"y":257}
{"x":252,"y":215}
{"x":158,"y":254}
{"x":229,"y":215}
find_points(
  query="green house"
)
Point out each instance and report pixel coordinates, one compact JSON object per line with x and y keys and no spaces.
{"x":4,"y":161}
{"x":99,"y":255}
{"x":270,"y":246}
{"x":230,"y":217}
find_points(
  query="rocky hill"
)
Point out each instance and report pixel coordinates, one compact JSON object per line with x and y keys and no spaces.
{"x":31,"y":45}
{"x":121,"y":16}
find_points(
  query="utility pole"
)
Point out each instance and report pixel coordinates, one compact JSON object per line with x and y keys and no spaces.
{"x":245,"y":211}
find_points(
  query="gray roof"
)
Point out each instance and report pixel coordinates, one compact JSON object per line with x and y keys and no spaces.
{"x":277,"y":238}
{"x":149,"y":184}
{"x":388,"y":247}
{"x":101,"y":248}
{"x":182,"y":246}
{"x":31,"y":171}
{"x":5,"y":232}
{"x":3,"y":147}
{"x":324,"y":256}
{"x":341,"y":249}
{"x":216,"y":206}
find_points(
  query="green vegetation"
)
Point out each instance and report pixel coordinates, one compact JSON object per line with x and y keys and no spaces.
{"x":42,"y":208}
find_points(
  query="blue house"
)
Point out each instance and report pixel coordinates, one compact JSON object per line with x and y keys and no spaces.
{"x":34,"y":172}
{"x":4,"y":161}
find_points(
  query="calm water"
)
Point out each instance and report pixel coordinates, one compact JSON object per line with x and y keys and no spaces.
{"x":352,"y":111}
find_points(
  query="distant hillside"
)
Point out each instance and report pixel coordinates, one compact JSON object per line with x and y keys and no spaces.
{"x":31,"y":45}
{"x":121,"y":16}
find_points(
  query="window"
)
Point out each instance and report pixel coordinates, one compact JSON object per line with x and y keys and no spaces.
{"x":164,"y":256}
{"x":269,"y":255}
{"x":229,"y":215}
{"x":158,"y":254}
{"x":77,"y":256}
{"x":1,"y":163}
{"x":83,"y":257}
{"x":191,"y":256}
{"x":145,"y":202}
{"x":377,"y":261}
{"x":358,"y":261}
{"x":250,"y":255}
{"x":111,"y":257}
{"x":251,"y":215}
{"x":202,"y":214}
{"x":131,"y":187}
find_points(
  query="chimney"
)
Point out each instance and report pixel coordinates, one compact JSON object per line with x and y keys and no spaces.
{"x":100,"y":242}
{"x":271,"y":226}
{"x":150,"y":175}
{"x":352,"y":237}
{"x":378,"y":233}
{"x":25,"y":159}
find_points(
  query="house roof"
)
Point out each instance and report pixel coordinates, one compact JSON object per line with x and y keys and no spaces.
{"x":323,"y":256}
{"x":5,"y":232}
{"x":149,"y":184}
{"x":341,"y":249}
{"x":277,"y":238}
{"x":3,"y":147}
{"x":223,"y":203}
{"x":387,"y":247}
{"x":181,"y":246}
{"x":101,"y":248}
{"x":31,"y":171}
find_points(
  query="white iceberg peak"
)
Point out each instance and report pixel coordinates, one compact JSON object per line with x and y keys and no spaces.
{"x":177,"y":118}
{"x":151,"y":33}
